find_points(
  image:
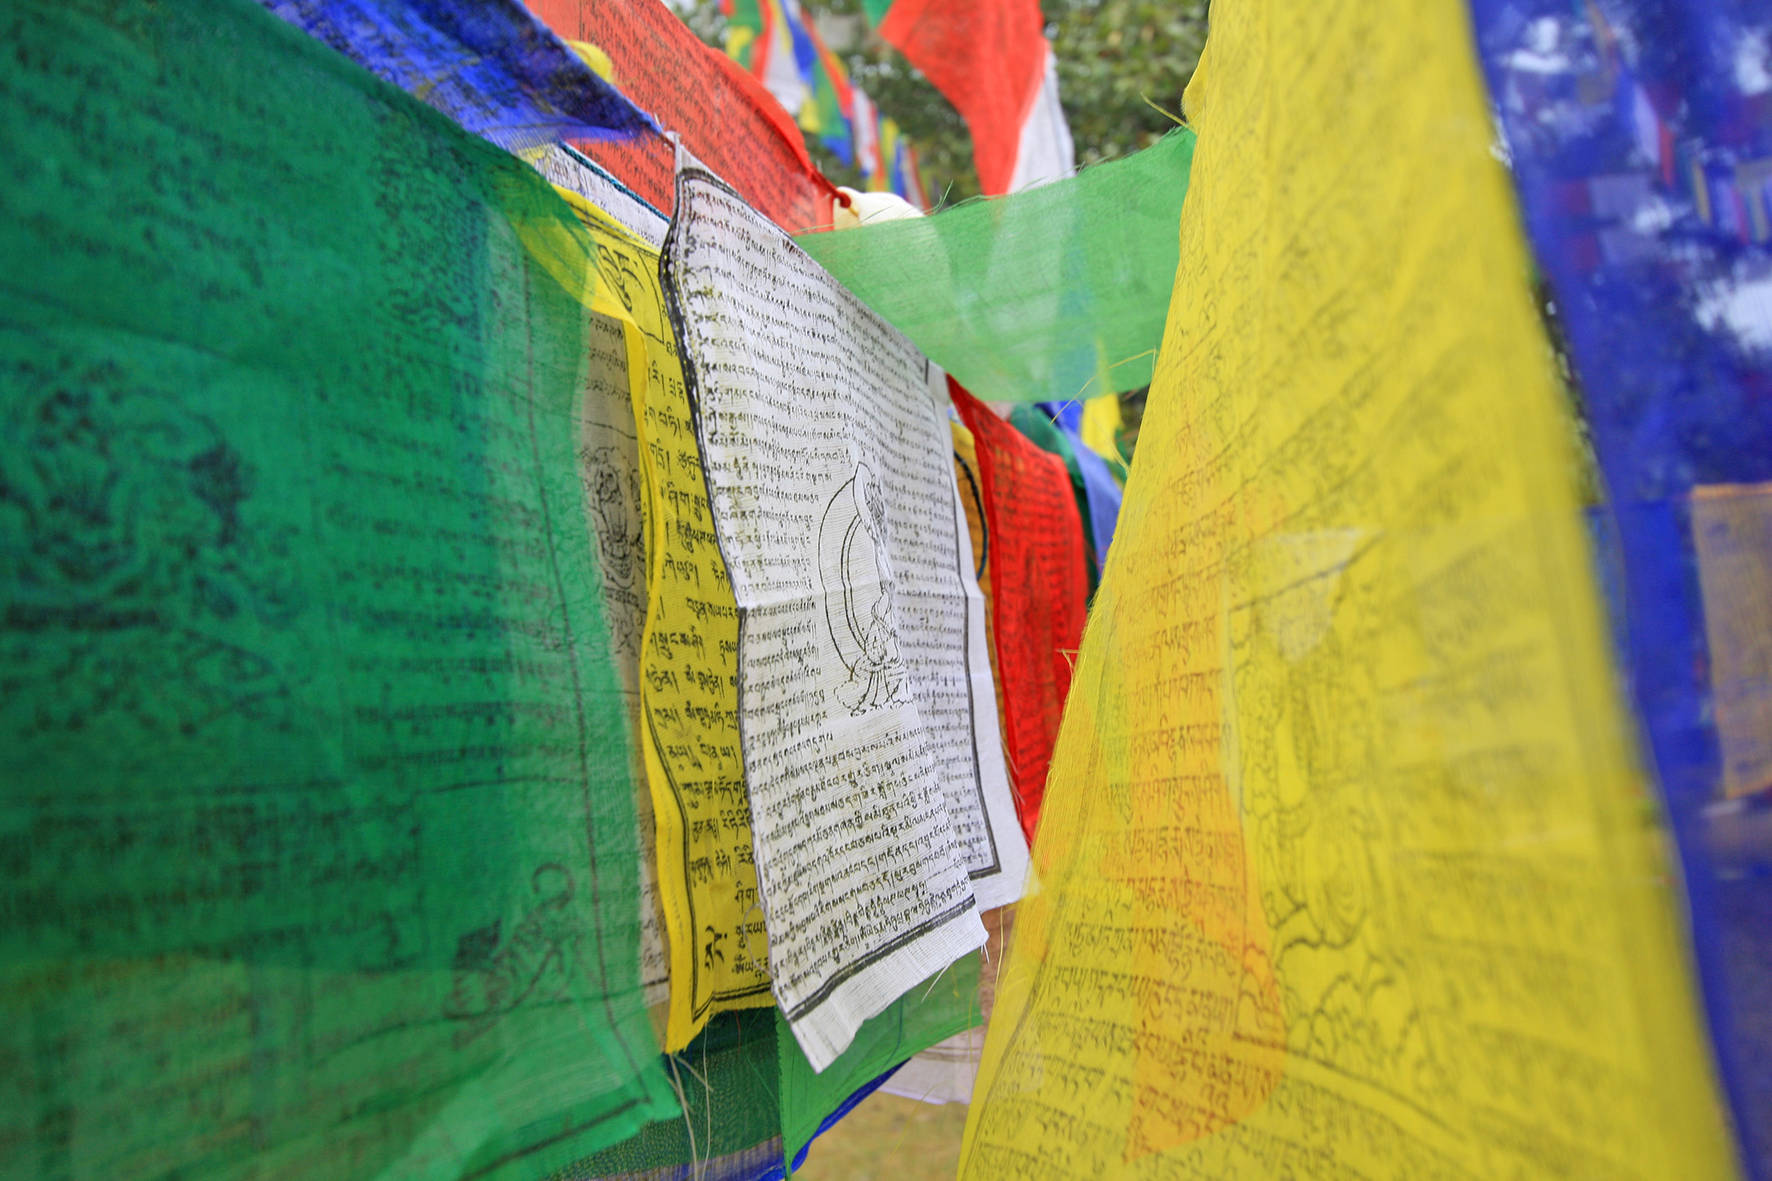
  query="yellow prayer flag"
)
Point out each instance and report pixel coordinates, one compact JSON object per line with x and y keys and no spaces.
{"x":1345,"y":862}
{"x":707,"y":883}
{"x":1101,"y":419}
{"x":881,"y":181}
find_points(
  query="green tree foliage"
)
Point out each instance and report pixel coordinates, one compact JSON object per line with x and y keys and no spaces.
{"x":1119,"y":61}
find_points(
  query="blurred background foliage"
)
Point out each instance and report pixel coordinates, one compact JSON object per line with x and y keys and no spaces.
{"x":1121,"y":65}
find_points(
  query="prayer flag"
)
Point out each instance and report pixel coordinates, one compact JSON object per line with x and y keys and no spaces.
{"x":880,"y":810}
{"x":1640,"y":138}
{"x":723,"y":113}
{"x":1344,"y":864}
{"x":487,"y":64}
{"x":989,"y":58}
{"x":1037,"y":296}
{"x":315,"y":779}
{"x":1040,"y":584}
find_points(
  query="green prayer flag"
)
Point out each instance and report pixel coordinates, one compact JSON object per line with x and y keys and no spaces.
{"x":730,"y":1126}
{"x":936,"y":1009}
{"x":317,"y":842}
{"x":1051,"y":294}
{"x":751,"y":1100}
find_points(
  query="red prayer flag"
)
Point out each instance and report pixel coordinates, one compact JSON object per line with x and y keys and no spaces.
{"x":725,"y":116}
{"x":988,"y":58}
{"x":1039,"y":584}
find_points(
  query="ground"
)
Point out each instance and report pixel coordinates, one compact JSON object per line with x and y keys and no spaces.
{"x":886,"y":1137}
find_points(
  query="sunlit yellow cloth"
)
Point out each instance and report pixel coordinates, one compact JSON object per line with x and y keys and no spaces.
{"x":707,"y":884}
{"x":1345,"y":862}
